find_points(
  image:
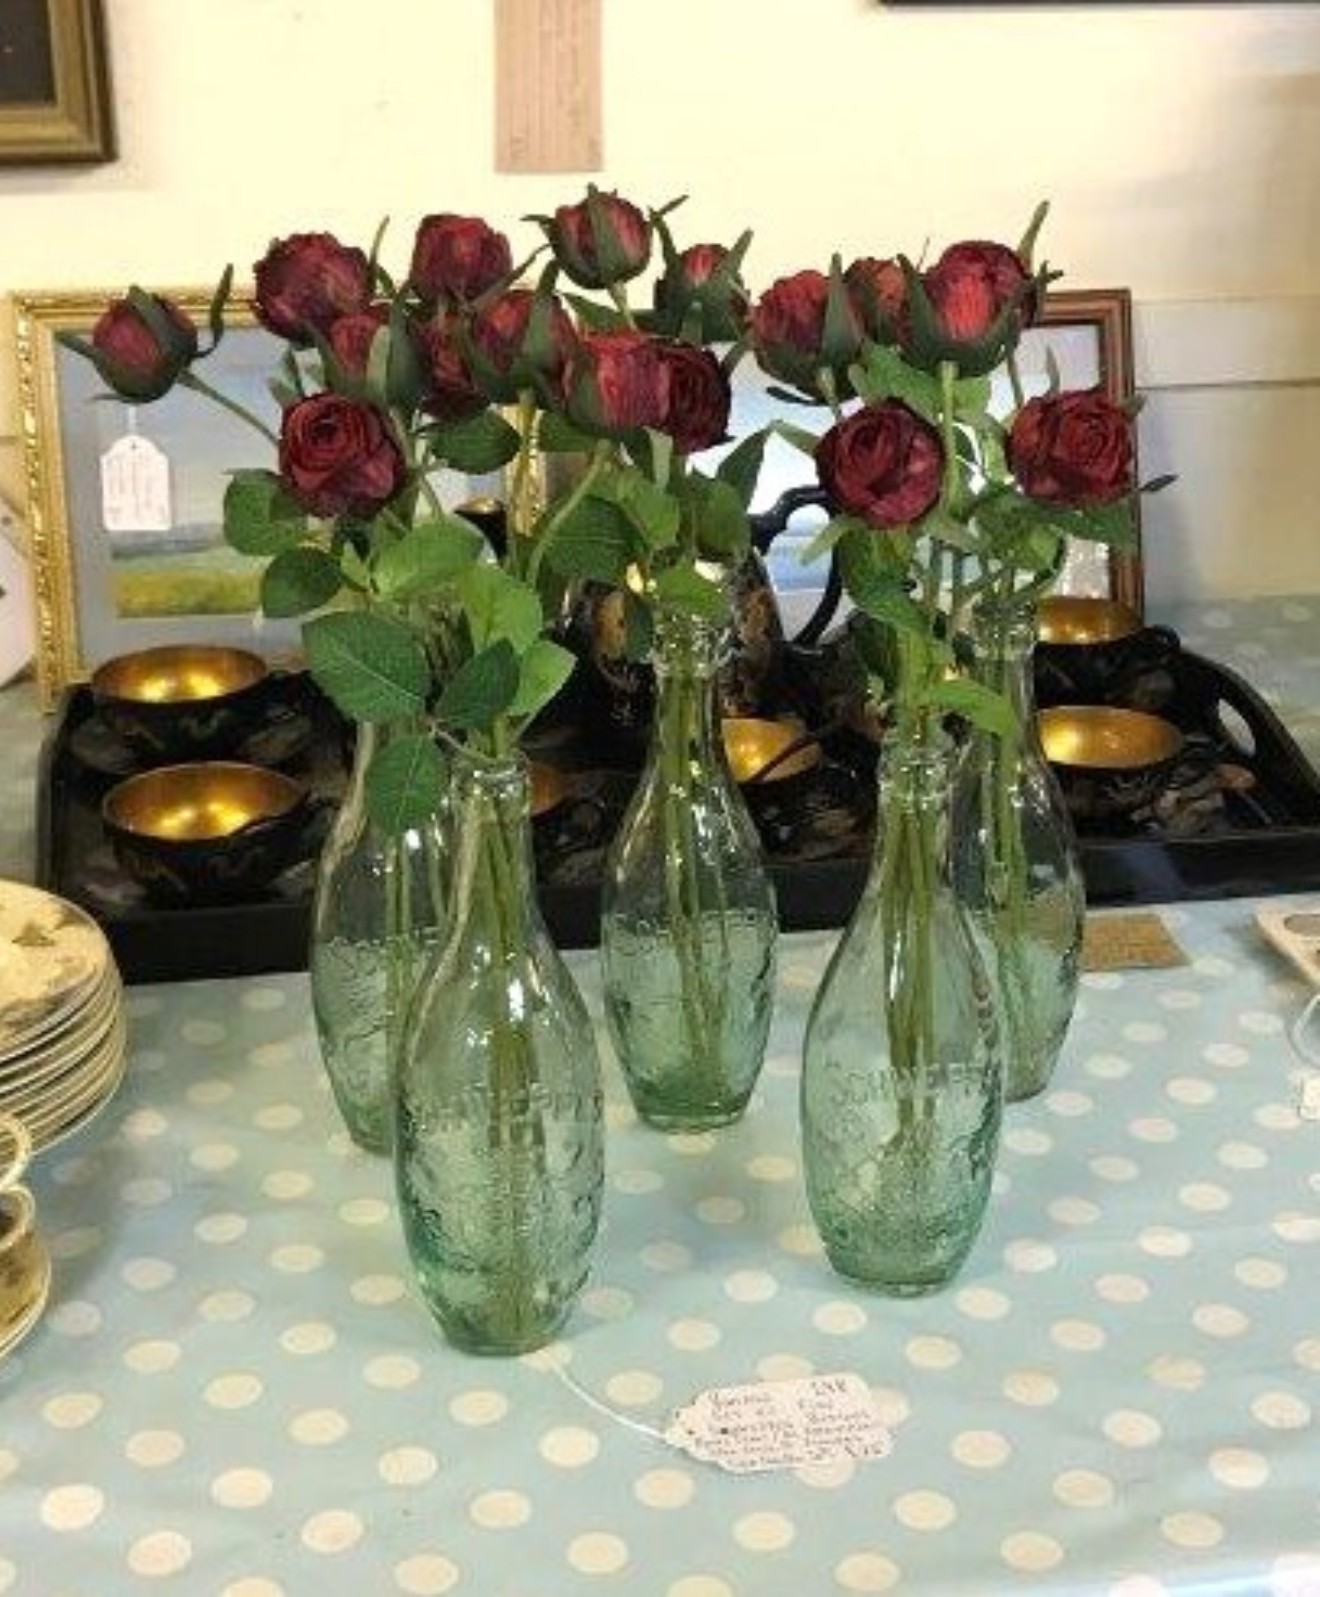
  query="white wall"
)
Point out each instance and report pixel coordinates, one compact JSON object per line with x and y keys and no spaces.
{"x":1180,"y":146}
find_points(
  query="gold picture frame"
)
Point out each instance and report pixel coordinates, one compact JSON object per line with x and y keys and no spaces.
{"x":100,"y":591}
{"x":54,"y":84}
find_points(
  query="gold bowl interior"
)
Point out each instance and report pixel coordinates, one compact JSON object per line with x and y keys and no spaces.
{"x":185,"y":673}
{"x":1098,"y":737}
{"x":750,"y":744}
{"x":1064,"y":619}
{"x":549,"y":788}
{"x":200,"y":803}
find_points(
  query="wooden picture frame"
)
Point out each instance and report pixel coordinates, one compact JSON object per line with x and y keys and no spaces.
{"x":54,"y":83}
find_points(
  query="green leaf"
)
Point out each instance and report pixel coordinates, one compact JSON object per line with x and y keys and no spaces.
{"x":373,"y":668}
{"x":405,"y":783}
{"x":947,"y":529}
{"x":826,"y":539}
{"x":298,"y":581}
{"x":594,"y":540}
{"x":428,"y":556}
{"x":654,"y":514}
{"x":719,"y":519}
{"x":682,"y":588}
{"x":543,"y":670}
{"x":556,"y":435}
{"x":482,"y":689}
{"x":261,"y":517}
{"x":875,"y":589}
{"x":971,"y":398}
{"x":638,"y":626}
{"x":798,"y":437}
{"x":982,"y":706}
{"x":499,"y":608}
{"x":882,"y":373}
{"x":1112,"y":524}
{"x":481,"y":444}
{"x":741,"y":467}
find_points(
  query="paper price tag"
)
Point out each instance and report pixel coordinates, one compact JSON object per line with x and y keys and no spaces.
{"x":781,"y":1424}
{"x":135,"y":486}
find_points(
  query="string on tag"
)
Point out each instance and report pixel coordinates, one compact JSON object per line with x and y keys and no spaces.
{"x":592,"y":1401}
{"x":1297,"y":1032}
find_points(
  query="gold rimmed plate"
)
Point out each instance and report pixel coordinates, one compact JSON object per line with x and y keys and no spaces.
{"x":52,"y":957}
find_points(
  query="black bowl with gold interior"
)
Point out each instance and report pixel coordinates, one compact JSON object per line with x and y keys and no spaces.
{"x":1100,"y":651}
{"x":1110,"y":761}
{"x":209,"y":832}
{"x":185,"y":701}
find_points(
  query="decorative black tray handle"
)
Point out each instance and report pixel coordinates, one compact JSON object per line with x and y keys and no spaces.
{"x":767,"y":525}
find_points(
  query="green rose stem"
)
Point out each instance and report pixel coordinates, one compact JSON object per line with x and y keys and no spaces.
{"x":199,"y":385}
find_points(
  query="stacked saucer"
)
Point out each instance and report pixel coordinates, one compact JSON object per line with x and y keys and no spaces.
{"x":62,"y":1027}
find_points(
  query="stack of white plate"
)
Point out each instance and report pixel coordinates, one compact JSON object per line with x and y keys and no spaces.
{"x":62,"y":1029}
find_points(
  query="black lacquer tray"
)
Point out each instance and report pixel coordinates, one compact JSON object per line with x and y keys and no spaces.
{"x":1242,"y":817}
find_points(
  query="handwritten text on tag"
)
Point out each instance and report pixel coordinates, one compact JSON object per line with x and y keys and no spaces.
{"x":782,"y":1424}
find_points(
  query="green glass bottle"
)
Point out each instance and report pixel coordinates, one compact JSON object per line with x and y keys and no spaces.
{"x":498,"y":1127}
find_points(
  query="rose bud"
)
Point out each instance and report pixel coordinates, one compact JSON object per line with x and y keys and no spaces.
{"x":600,"y":241}
{"x":338,"y":457}
{"x":879,"y":291}
{"x":699,"y":398}
{"x":351,"y":337}
{"x":883,"y":463}
{"x":457,"y":257}
{"x":448,"y":393}
{"x":703,"y":278}
{"x":141,"y":345}
{"x":520,"y":340}
{"x":971,"y":285}
{"x":1072,"y":449}
{"x":306,"y":282}
{"x":617,"y":382}
{"x":791,"y":335}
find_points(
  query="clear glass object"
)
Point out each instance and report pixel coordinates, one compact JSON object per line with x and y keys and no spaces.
{"x":377,"y":911}
{"x":688,"y":921}
{"x":1016,"y":860}
{"x":902,"y":1084}
{"x":498,"y":1130}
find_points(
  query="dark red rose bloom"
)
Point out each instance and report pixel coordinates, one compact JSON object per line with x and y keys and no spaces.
{"x":458,"y":257}
{"x":697,"y":416}
{"x":883,"y":463}
{"x":450,"y":394}
{"x":879,"y":291}
{"x":308,"y":281}
{"x":338,"y":456}
{"x":504,"y":360}
{"x":788,"y":330}
{"x":1072,"y":449}
{"x":600,"y":240}
{"x":702,"y":276}
{"x":617,"y":382}
{"x":971,"y":283}
{"x":138,"y":361}
{"x":351,"y":337}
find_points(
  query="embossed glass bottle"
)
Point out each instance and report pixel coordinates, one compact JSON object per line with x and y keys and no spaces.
{"x":498,"y":1131}
{"x":688,"y":923}
{"x":902,"y":1089}
{"x":377,"y":911}
{"x":1016,"y":860}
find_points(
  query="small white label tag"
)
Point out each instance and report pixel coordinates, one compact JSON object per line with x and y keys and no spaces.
{"x":1308,"y":1096}
{"x":782,"y":1424}
{"x":135,"y":486}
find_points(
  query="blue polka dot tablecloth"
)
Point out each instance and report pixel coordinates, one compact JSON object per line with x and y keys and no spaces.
{"x":235,"y":1393}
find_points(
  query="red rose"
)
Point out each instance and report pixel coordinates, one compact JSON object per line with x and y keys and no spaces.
{"x":789,"y":331}
{"x":141,"y":352}
{"x":351,"y":337}
{"x":450,"y":394}
{"x":308,"y":281}
{"x":883,"y":463}
{"x":601,"y":240}
{"x":879,"y":291}
{"x":704,"y":277}
{"x":616,"y":382}
{"x":458,"y":257}
{"x":697,"y":415}
{"x":514,"y":350}
{"x":1072,"y":449}
{"x":971,"y":284}
{"x":338,"y":456}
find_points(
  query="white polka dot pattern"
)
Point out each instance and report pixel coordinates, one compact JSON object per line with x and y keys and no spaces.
{"x":237,"y":1390}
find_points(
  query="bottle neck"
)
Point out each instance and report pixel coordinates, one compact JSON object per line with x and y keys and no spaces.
{"x":687,"y":657}
{"x":1004,"y":637}
{"x":491,"y":803}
